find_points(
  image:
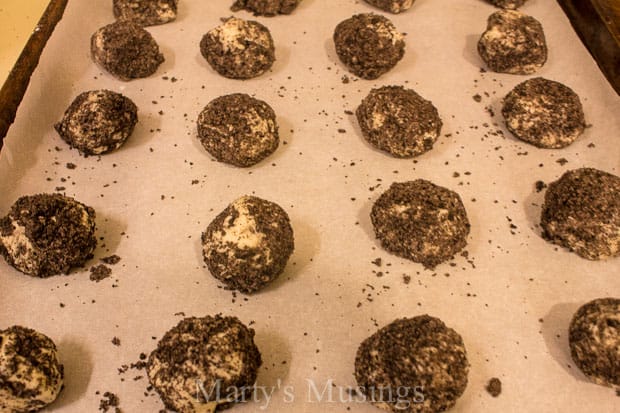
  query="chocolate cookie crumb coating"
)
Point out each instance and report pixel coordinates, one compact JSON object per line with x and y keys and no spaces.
{"x":507,"y":4}
{"x":420,"y":221}
{"x":581,"y":212}
{"x":145,"y":12}
{"x":239,"y":49}
{"x":98,"y":122}
{"x":392,"y":6}
{"x":399,"y":121}
{"x":248,"y":244}
{"x":369,"y":45}
{"x":513,"y":43}
{"x":413,"y":365}
{"x":594,"y":339}
{"x":31,"y":376}
{"x":125,"y":50}
{"x":204,"y":353}
{"x":238,"y":129}
{"x":267,"y":8}
{"x":47,"y":234}
{"x":544,"y":113}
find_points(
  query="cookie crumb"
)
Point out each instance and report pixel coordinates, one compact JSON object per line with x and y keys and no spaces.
{"x":99,"y":272}
{"x":494,"y":387}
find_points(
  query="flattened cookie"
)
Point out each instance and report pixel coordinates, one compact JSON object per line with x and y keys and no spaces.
{"x":393,"y":6}
{"x":239,"y":49}
{"x":248,"y":244}
{"x":369,"y":45}
{"x":47,"y":234}
{"x":513,"y":43}
{"x":98,"y":121}
{"x":594,"y":339}
{"x":420,"y":221}
{"x":238,"y":129}
{"x":507,"y":4}
{"x":146,"y":12}
{"x":413,"y":365}
{"x":581,"y":212}
{"x":31,"y":376}
{"x":266,"y":7}
{"x":125,"y":50}
{"x":399,"y":121}
{"x":544,"y":113}
{"x":199,"y":355}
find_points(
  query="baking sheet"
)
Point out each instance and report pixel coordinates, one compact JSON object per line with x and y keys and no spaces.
{"x":511,"y":299}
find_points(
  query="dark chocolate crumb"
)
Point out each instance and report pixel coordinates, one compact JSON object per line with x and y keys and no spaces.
{"x":116,"y":341}
{"x":494,"y":387}
{"x":99,"y":272}
{"x":111,"y":260}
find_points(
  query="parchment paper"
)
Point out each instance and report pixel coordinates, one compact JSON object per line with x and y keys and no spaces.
{"x":511,"y":302}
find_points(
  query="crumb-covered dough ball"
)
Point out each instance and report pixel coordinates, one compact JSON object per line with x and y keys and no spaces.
{"x":202,"y":354}
{"x":98,"y":121}
{"x":31,"y":376}
{"x":507,"y":4}
{"x":413,"y":365}
{"x":392,"y":6}
{"x":399,"y":121}
{"x":581,"y":212}
{"x":47,"y":234}
{"x":594,"y":339}
{"x":239,"y":49}
{"x":266,"y":7}
{"x":146,"y":12}
{"x":513,"y":43}
{"x":544,"y":113}
{"x":420,"y":221}
{"x":125,"y":50}
{"x":368,"y":44}
{"x":248,"y":244}
{"x":238,"y":129}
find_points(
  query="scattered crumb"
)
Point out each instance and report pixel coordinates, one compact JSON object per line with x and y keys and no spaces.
{"x":540,"y":185}
{"x":99,"y":272}
{"x":116,"y":341}
{"x":109,"y":401}
{"x":111,"y":260}
{"x":494,"y":387}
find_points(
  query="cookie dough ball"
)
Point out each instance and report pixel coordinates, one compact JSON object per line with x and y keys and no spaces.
{"x":369,"y":45}
{"x":507,"y":4}
{"x":594,"y":339}
{"x":98,"y":121}
{"x":47,"y":234}
{"x":125,"y":50}
{"x":581,"y":212}
{"x":203,"y":353}
{"x":544,"y":113}
{"x":30,"y":374}
{"x":266,"y":7}
{"x":513,"y":43}
{"x":239,"y":49}
{"x":238,"y":129}
{"x":248,"y":244}
{"x":399,"y":121}
{"x":420,"y":221}
{"x":393,"y":6}
{"x":413,"y":364}
{"x":146,"y":12}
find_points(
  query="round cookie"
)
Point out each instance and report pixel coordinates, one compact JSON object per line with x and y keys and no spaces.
{"x":420,"y":221}
{"x":200,"y":355}
{"x":544,"y":113}
{"x":266,"y":7}
{"x":239,"y":49}
{"x":369,"y":45}
{"x":248,"y":244}
{"x":581,"y":212}
{"x":513,"y":43}
{"x":238,"y":129}
{"x":31,"y":376}
{"x":399,"y":121}
{"x":392,"y":6}
{"x":125,"y":50}
{"x":594,"y":339}
{"x":98,"y":121}
{"x":145,"y":12}
{"x":413,"y":364}
{"x":47,"y":234}
{"x":507,"y":4}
